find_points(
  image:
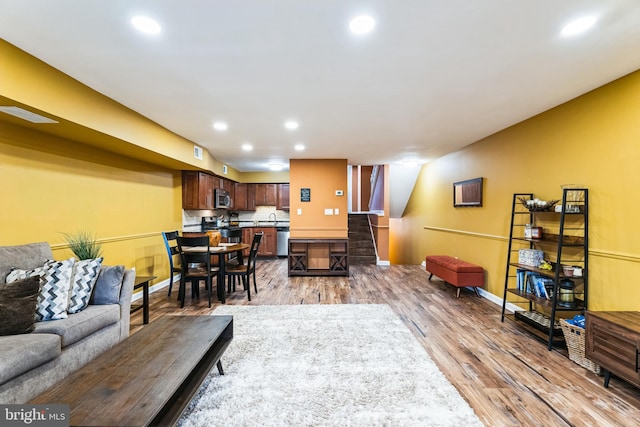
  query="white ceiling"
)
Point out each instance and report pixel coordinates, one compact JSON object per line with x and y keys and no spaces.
{"x":432,"y":77}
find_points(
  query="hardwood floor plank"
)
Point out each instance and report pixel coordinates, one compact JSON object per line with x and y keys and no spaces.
{"x":506,"y":375}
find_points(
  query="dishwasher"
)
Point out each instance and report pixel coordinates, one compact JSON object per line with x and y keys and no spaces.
{"x":282,"y":241}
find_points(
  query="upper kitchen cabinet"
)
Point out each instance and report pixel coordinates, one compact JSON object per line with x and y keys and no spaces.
{"x":266,"y":194}
{"x":245,"y":197}
{"x":197,"y":190}
{"x":283,"y":197}
{"x":225,"y":184}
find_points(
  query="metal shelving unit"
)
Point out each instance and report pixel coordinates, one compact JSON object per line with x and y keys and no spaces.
{"x":565,"y":241}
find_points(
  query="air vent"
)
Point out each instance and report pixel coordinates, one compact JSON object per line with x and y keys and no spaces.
{"x":197,"y":152}
{"x":25,"y":115}
{"x":224,"y":169}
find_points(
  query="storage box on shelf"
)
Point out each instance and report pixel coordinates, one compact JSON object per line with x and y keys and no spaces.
{"x":543,"y":287}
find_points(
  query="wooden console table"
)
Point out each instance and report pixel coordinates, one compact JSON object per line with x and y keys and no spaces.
{"x":613,"y":342}
{"x":318,"y":257}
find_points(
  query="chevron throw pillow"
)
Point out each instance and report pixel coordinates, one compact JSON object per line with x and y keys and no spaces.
{"x":85,"y":274}
{"x":53,"y":300}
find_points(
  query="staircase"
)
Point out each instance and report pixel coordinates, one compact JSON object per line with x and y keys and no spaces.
{"x":361,"y":249}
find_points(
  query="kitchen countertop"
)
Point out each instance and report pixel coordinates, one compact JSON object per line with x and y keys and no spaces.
{"x":242,"y":224}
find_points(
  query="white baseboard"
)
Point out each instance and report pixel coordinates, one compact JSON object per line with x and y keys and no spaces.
{"x":138,"y":295}
{"x":498,"y":301}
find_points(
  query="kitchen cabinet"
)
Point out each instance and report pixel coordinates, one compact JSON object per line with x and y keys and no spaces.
{"x":283,"y":197}
{"x":244,"y":197}
{"x":197,"y":190}
{"x":613,"y":342}
{"x":267,"y":245}
{"x":266,"y":194}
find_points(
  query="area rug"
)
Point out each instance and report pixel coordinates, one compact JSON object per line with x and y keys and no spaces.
{"x":325,"y":365}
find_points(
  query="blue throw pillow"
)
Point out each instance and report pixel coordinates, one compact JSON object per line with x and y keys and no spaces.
{"x":107,"y":287}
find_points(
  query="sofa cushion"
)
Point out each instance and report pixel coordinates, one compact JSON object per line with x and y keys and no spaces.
{"x":27,"y":257}
{"x":18,"y":302}
{"x":107,"y":288}
{"x":85,"y":274}
{"x":53,"y":300}
{"x":80,"y":325}
{"x":21,"y":353}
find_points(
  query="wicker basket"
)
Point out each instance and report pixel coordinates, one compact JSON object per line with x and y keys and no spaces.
{"x":574,"y":337}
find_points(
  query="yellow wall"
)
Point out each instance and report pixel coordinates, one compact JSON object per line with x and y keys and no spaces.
{"x":323,"y":177}
{"x":592,"y":140}
{"x":52,"y":186}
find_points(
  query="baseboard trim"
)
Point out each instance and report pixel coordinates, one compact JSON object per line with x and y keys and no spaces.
{"x":161,"y":285}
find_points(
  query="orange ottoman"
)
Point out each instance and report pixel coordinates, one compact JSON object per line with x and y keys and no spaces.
{"x":455,"y":272}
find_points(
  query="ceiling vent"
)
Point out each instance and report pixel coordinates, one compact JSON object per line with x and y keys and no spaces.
{"x":25,"y":115}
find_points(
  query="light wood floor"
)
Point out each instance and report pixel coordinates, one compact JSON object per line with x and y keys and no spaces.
{"x":506,"y":375}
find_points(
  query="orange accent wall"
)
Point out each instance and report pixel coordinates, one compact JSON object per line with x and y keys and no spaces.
{"x":323,"y":177}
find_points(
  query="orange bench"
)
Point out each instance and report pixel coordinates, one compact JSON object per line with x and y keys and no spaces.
{"x":455,"y":272}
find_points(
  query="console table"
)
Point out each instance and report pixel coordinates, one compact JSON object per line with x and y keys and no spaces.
{"x":318,"y":257}
{"x":613,"y":342}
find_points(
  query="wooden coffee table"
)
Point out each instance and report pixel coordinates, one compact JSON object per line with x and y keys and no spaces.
{"x":147,"y":379}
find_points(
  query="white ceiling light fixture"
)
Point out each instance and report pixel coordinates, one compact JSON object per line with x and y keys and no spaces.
{"x":578,"y":26}
{"x":247,"y":147}
{"x":362,"y":24}
{"x":291,"y":125}
{"x":410,"y":163}
{"x":146,"y":25}
{"x":220,"y":126}
{"x":275,"y":167}
{"x":25,"y":115}
{"x":299,"y":147}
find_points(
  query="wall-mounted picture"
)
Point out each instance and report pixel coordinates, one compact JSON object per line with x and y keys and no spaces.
{"x":467,"y":193}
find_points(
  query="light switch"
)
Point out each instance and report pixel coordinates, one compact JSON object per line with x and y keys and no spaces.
{"x":299,"y":211}
{"x":328,"y":211}
{"x":336,"y":211}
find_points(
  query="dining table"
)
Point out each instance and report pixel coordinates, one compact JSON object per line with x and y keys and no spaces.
{"x":221,"y":250}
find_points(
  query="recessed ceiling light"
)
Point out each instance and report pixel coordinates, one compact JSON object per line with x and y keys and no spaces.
{"x":275,"y":166}
{"x":221,"y":126}
{"x":410,"y":163}
{"x":247,"y":147}
{"x":299,"y":147}
{"x":146,"y":25}
{"x":578,"y":26}
{"x":291,"y":125}
{"x":362,"y":24}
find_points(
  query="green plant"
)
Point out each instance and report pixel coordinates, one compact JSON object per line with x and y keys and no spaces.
{"x":83,"y":244}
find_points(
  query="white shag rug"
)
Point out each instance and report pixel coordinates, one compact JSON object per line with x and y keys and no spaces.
{"x":325,"y":365}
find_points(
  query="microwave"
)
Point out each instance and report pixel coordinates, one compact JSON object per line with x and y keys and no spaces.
{"x":222,"y":199}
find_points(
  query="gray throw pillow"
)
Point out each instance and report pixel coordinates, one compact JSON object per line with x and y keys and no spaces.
{"x":18,"y":302}
{"x":107,"y":287}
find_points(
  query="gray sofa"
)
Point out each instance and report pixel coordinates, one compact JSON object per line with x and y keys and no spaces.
{"x":33,"y":362}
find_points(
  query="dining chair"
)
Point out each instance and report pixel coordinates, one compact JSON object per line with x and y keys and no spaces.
{"x":246,"y":271}
{"x":196,"y":266}
{"x":171,"y":244}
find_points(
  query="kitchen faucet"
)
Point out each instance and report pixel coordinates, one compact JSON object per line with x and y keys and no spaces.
{"x":275,"y":220}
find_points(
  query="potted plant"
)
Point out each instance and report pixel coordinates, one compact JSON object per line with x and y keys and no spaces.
{"x":83,"y":244}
